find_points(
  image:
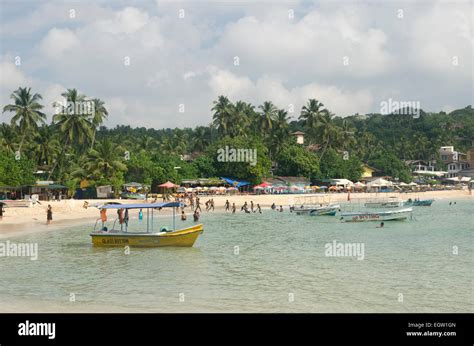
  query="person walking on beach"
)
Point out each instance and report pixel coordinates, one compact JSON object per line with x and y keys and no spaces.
{"x":251,"y":207}
{"x":198,"y":204}
{"x":227,"y":205}
{"x":49,"y":214}
{"x":259,"y":209}
{"x":233,"y":208}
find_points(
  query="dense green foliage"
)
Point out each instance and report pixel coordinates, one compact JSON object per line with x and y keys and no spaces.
{"x":75,"y":146}
{"x":15,"y":172}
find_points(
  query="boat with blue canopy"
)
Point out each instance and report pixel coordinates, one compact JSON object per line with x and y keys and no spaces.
{"x":154,"y":236}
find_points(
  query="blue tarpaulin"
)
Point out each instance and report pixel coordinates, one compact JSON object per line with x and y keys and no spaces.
{"x":235,"y":182}
{"x":143,"y":205}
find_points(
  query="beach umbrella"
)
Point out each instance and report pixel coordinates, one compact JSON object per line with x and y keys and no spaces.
{"x":199,"y":188}
{"x":413,"y":184}
{"x":232,"y":188}
{"x":315,"y":187}
{"x":189,"y":189}
{"x":205,"y":188}
{"x":403,"y":184}
{"x":222,"y":188}
{"x":264,"y":184}
{"x":258,"y":188}
{"x":168,"y":185}
{"x":323,"y":187}
{"x":213,"y":188}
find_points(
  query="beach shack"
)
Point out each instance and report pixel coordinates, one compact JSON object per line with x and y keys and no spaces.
{"x":105,"y":191}
{"x":48,"y":190}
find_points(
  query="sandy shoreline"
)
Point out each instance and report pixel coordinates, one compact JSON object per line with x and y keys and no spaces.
{"x":19,"y":221}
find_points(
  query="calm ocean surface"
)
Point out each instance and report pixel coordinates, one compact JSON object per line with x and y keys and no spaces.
{"x":280,"y":267}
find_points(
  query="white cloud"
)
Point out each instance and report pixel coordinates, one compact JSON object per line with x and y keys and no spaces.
{"x":190,"y":60}
{"x":339,"y":101}
{"x":57,"y":42}
{"x":11,"y":76}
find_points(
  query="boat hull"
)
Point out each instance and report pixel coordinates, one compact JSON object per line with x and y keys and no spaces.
{"x":395,"y":215}
{"x":181,"y":238}
{"x":326,"y":212}
{"x":421,"y":203}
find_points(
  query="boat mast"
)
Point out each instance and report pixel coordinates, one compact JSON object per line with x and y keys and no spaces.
{"x":174,"y":219}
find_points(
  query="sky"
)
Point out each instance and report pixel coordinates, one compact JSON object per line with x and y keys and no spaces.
{"x":162,"y":64}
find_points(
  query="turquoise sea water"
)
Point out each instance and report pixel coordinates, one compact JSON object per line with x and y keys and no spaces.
{"x":279,"y":266}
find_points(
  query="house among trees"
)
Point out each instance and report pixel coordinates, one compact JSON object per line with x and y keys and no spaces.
{"x":455,"y":161}
{"x":368,"y":171}
{"x":299,"y":137}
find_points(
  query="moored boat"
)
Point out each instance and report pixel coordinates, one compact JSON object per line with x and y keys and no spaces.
{"x":149,"y":238}
{"x":315,"y":205}
{"x":391,"y":202}
{"x":326,"y":211}
{"x":389,"y":215}
{"x":419,"y":202}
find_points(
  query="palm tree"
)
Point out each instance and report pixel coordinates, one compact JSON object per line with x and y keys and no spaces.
{"x":8,"y":138}
{"x":27,"y":111}
{"x":100,"y":114}
{"x":104,"y":160}
{"x":267,"y":117}
{"x":327,"y":131}
{"x":45,"y":146}
{"x":74,"y":127}
{"x":146,"y":143}
{"x":312,"y":113}
{"x":222,"y":118}
{"x":201,"y":138}
{"x":279,"y":134}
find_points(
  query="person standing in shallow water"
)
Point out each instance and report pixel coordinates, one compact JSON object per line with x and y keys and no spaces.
{"x":49,"y":214}
{"x":233,"y":208}
{"x":227,"y":205}
{"x":196,"y":216}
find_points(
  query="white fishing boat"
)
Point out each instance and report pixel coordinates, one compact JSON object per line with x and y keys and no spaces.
{"x":390,"y":202}
{"x":389,"y":215}
{"x":316,"y":205}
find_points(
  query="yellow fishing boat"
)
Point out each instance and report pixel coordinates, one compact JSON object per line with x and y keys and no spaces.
{"x":164,"y":237}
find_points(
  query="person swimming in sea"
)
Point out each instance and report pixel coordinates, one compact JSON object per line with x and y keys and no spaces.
{"x":273,"y":206}
{"x":381,"y":225}
{"x":183,"y":216}
{"x":281,"y":208}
